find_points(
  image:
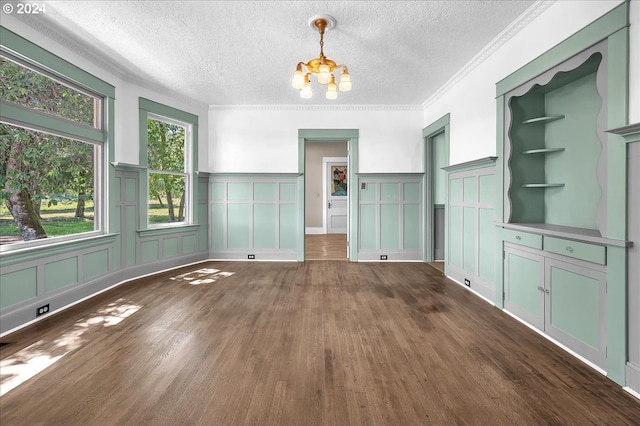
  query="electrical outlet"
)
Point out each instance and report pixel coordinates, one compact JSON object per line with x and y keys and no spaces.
{"x":42,"y":310}
{"x":467,"y":282}
{"x":252,"y":256}
{"x":383,"y":257}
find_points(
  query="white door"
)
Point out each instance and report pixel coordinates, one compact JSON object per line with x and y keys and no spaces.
{"x":337,"y":197}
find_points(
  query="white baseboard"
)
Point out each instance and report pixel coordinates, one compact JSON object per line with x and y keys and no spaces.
{"x":311,"y":230}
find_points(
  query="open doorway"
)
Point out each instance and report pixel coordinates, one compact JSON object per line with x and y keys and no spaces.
{"x":326,"y":200}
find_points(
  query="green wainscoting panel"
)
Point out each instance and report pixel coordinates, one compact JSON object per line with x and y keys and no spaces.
{"x":368,"y":225}
{"x":455,"y":190}
{"x":469,"y":189}
{"x":487,"y":189}
{"x":116,"y":228}
{"x":524,"y":278}
{"x":288,"y":192}
{"x":288,"y":224}
{"x":131,"y":186}
{"x":95,"y":264}
{"x":115,"y":192}
{"x":264,"y":191}
{"x":217,"y":191}
{"x":188,"y":244}
{"x":264,"y":225}
{"x":131,"y":215}
{"x":469,"y":238}
{"x":18,"y":286}
{"x":170,"y":247}
{"x":238,"y":191}
{"x":486,"y":244}
{"x":149,"y":251}
{"x":202,"y":191}
{"x":411,"y":192}
{"x":369,"y":193}
{"x":411,"y":226}
{"x":202,"y":233}
{"x":574,"y":305}
{"x":455,"y":233}
{"x":60,"y":274}
{"x":217,"y":226}
{"x":389,"y":192}
{"x":389,"y":226}
{"x":580,"y":103}
{"x":238,"y":225}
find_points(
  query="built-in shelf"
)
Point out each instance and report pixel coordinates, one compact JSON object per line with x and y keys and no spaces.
{"x":543,"y":119}
{"x":543,"y":185}
{"x":542,"y":151}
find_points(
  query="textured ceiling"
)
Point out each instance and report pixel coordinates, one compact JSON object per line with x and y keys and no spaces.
{"x":244,"y":52}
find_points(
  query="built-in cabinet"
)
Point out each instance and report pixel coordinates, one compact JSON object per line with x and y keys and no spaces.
{"x":562,"y":224}
{"x":549,"y":284}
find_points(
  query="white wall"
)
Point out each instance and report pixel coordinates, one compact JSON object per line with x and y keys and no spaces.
{"x":471,"y":101}
{"x":265,"y":139}
{"x":127,"y":93}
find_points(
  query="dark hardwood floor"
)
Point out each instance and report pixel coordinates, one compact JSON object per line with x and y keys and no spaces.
{"x":332,"y":343}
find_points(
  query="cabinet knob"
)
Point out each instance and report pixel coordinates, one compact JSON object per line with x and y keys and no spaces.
{"x":570,"y":249}
{"x":518,"y":237}
{"x":546,"y":290}
{"x":540,"y":288}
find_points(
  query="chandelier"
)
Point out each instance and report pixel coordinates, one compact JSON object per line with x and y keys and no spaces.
{"x":321,"y":67}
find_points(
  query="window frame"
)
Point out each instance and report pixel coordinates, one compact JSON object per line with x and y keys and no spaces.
{"x":29,"y":55}
{"x":152,"y":110}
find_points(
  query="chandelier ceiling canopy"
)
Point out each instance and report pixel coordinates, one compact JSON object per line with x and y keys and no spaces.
{"x":322,"y":67}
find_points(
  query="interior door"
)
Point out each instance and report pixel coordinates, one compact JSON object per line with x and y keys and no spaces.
{"x":337,"y":197}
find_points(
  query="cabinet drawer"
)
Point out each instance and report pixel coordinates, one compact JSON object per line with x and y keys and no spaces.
{"x":583,"y":251}
{"x":522,"y":238}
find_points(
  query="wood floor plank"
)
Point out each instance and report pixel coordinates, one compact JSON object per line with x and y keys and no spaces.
{"x":318,"y":343}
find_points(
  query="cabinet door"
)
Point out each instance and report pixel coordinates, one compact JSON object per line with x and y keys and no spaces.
{"x":576,"y":308}
{"x":524,"y":285}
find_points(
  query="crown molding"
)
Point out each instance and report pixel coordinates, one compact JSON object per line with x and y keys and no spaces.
{"x":315,"y":108}
{"x":507,"y":34}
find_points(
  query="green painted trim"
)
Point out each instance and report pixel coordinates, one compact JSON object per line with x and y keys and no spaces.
{"x":26,"y":117}
{"x":617,"y":313}
{"x":437,"y":126}
{"x":30,"y":254}
{"x":599,"y":29}
{"x":28,"y":50}
{"x":253,"y":176}
{"x":391,"y":175}
{"x":147,"y":107}
{"x":168,"y":230}
{"x":318,"y":135}
{"x":328,"y":134}
{"x":167,"y":111}
{"x":441,"y":125}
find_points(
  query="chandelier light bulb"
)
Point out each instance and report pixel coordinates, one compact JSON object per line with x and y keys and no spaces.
{"x":324,"y":74}
{"x":345,"y":81}
{"x":332,"y":90}
{"x":298,"y":80}
{"x":305,"y":92}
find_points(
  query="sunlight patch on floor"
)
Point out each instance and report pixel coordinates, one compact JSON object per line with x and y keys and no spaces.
{"x":202,"y":276}
{"x":26,"y":363}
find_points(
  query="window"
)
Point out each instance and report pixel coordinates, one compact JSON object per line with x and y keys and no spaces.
{"x":52,"y":147}
{"x":168,"y":170}
{"x":169,"y":150}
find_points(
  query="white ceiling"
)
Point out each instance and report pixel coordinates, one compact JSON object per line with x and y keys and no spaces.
{"x":244,"y":52}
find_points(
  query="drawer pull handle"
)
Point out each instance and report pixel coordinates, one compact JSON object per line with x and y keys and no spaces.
{"x":570,"y":249}
{"x":540,"y":288}
{"x":518,"y":237}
